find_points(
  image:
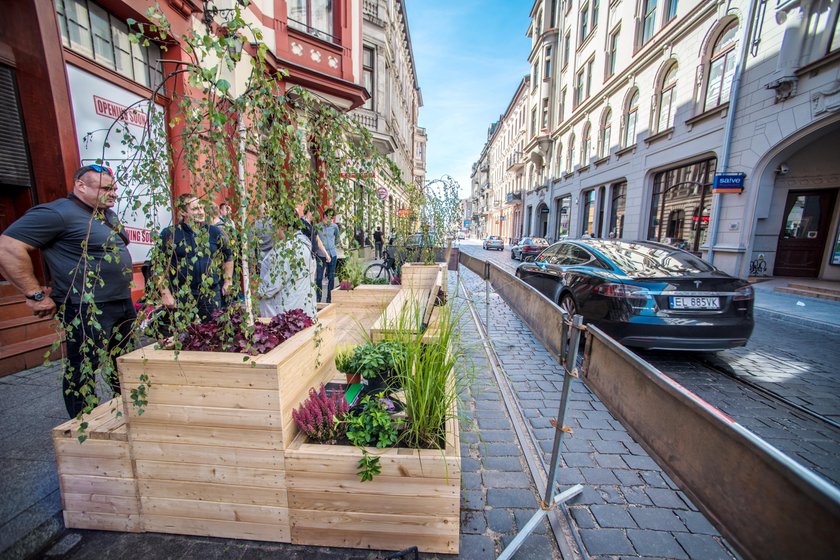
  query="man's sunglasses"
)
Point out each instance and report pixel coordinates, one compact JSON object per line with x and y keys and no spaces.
{"x":101,"y":169}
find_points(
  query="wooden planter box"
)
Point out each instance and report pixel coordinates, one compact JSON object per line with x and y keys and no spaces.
{"x":415,"y":501}
{"x":216,"y":453}
{"x":98,"y":487}
{"x":208,"y":448}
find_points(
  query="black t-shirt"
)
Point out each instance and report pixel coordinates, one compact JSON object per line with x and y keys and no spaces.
{"x":377,"y":236}
{"x":190,"y":263}
{"x":60,"y":229}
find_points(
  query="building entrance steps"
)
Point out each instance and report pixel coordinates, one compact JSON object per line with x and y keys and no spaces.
{"x":799,"y":300}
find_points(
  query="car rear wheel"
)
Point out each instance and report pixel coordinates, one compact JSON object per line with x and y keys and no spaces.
{"x":567,"y":304}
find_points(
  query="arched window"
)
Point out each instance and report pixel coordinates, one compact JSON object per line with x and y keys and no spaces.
{"x":631,"y":115}
{"x":721,"y":67}
{"x":558,"y":160}
{"x":570,"y":157}
{"x":586,"y":145}
{"x":666,"y":96}
{"x":605,"y":133}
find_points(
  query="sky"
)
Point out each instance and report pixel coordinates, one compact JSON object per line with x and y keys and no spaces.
{"x":470,"y":57}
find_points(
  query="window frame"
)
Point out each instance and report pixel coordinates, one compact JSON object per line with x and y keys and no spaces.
{"x":370,"y":103}
{"x":604,"y":134}
{"x":647,"y":20}
{"x":669,"y":89}
{"x":727,"y":54}
{"x":631,"y":109}
{"x":612,"y":52}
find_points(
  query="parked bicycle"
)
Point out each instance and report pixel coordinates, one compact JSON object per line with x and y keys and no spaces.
{"x":384,"y":270}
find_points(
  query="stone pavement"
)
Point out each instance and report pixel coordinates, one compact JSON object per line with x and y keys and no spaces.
{"x":629,"y":507}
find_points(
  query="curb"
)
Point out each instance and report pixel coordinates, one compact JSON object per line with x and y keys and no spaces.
{"x":796,"y":319}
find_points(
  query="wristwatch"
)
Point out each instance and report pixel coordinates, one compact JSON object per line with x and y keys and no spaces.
{"x":37,"y":296}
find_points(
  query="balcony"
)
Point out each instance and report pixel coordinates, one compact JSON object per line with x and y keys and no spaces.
{"x":513,"y":198}
{"x":370,"y":11}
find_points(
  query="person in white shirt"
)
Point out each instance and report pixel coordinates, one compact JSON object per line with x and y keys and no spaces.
{"x":286,"y":277}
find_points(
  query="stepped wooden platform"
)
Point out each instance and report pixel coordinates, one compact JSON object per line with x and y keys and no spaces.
{"x":24,"y":338}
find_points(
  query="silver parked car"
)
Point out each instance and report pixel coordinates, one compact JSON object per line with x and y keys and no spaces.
{"x":493,"y":242}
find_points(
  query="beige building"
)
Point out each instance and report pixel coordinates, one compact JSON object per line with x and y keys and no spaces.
{"x":391,"y":114}
{"x":639,"y":105}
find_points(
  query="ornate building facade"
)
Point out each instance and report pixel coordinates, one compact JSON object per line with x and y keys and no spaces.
{"x":640,"y":105}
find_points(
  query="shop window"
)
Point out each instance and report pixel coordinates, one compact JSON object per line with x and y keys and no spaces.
{"x":617,"y":210}
{"x":721,"y":67}
{"x":90,"y":31}
{"x":588,"y":222}
{"x":674,"y":191}
{"x":563,"y":207}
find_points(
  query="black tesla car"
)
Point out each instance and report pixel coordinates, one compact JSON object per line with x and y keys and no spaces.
{"x":645,"y":294}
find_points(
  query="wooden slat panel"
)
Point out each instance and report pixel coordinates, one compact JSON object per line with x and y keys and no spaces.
{"x":211,"y":397}
{"x":206,"y":435}
{"x":386,"y":486}
{"x":348,"y":501}
{"x":103,"y":521}
{"x":105,"y":449}
{"x":95,"y":466}
{"x":199,"y":373}
{"x":221,"y":511}
{"x":215,"y":528}
{"x":206,"y":416}
{"x":110,"y":486}
{"x":162,"y":470}
{"x":210,"y":455}
{"x":367,"y":530}
{"x":209,"y":492}
{"x":99,"y":503}
{"x":97,"y":417}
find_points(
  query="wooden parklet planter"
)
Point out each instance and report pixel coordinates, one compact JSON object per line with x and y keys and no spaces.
{"x":415,"y":501}
{"x":216,"y":453}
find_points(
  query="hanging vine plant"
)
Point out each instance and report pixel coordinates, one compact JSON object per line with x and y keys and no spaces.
{"x":233,"y":131}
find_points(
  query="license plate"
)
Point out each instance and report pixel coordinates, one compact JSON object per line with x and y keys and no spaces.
{"x":685,"y":302}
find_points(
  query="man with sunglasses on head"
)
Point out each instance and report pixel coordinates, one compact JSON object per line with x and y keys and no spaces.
{"x":86,"y":253}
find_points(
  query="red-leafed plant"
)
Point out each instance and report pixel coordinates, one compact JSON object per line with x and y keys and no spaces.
{"x":345,"y":285}
{"x":396,"y":280}
{"x":226,"y":332}
{"x":319,"y":417}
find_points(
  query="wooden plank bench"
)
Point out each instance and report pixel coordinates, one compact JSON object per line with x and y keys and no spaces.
{"x":415,"y":302}
{"x":98,"y":485}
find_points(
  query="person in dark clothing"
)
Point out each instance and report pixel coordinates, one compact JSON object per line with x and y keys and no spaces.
{"x":195,"y":251}
{"x":86,"y":252}
{"x":377,"y":242}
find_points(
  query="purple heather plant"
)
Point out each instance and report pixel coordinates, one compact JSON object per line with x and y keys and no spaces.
{"x":345,"y":285}
{"x":396,"y":280}
{"x":319,"y":417}
{"x":226,"y":332}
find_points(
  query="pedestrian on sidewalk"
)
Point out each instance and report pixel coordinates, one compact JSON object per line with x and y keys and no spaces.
{"x":78,"y":235}
{"x":377,"y":242}
{"x":195,"y":250}
{"x":285,"y":277}
{"x":327,"y":255}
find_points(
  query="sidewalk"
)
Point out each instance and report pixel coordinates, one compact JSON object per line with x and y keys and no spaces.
{"x":629,"y":507}
{"x":807,"y":311}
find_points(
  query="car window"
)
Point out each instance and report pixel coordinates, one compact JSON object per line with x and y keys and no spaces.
{"x":538,"y":241}
{"x":653,"y":261}
{"x":549,"y":254}
{"x":525,"y":241}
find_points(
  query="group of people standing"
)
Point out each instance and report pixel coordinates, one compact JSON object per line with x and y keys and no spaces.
{"x":86,"y":253}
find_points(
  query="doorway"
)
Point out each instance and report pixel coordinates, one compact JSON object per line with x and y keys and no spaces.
{"x":804,"y":233}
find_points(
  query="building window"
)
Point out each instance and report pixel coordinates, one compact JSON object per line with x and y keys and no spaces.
{"x":588,"y":225}
{"x":562,"y":106}
{"x":558,"y":162}
{"x":589,"y":66}
{"x":721,"y":67}
{"x":677,"y":193}
{"x":564,"y":214}
{"x":670,"y":10}
{"x":586,"y":145}
{"x":368,"y":57}
{"x":579,"y":81}
{"x":648,"y":20}
{"x":596,"y":10}
{"x":547,"y":63}
{"x":89,"y":30}
{"x":835,"y":37}
{"x":605,"y":133}
{"x":544,"y":122}
{"x":534,"y":74}
{"x":617,"y":209}
{"x":567,"y":47}
{"x":534,"y":121}
{"x":631,"y":115}
{"x":666,"y":100}
{"x":584,"y":23}
{"x":312,"y":16}
{"x":612,"y":55}
{"x":570,"y":155}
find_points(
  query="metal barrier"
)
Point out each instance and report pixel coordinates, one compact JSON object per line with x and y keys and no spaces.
{"x":763,"y":502}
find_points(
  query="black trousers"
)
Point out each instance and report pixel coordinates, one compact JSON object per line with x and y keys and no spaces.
{"x":93,"y":344}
